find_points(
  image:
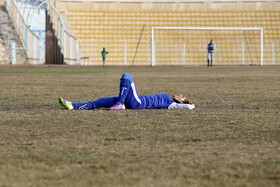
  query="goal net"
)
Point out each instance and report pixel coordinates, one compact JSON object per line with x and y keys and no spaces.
{"x":188,"y":46}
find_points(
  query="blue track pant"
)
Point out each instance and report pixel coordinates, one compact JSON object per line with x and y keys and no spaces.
{"x":128,"y":95}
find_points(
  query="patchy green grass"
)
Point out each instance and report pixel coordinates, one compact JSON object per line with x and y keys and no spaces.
{"x":230,"y":139}
{"x":112,"y":139}
{"x":130,"y":138}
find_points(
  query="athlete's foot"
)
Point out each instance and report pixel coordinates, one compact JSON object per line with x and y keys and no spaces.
{"x":117,"y":106}
{"x":66,"y":104}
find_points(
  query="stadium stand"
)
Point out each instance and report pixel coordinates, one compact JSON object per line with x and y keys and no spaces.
{"x":4,"y":57}
{"x":4,"y":54}
{"x":124,"y":28}
{"x":39,"y":33}
{"x":7,"y":36}
{"x":116,"y":24}
{"x":108,"y":28}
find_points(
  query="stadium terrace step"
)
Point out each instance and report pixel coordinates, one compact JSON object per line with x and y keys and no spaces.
{"x":9,"y":35}
{"x":4,"y":53}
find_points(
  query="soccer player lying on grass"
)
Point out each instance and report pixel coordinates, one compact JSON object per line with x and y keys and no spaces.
{"x":128,"y":98}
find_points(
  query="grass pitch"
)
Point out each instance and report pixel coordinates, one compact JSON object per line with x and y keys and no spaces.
{"x":232,"y":138}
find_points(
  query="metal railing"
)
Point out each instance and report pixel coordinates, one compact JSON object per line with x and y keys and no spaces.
{"x":32,"y":44}
{"x":72,"y":50}
{"x":70,"y":47}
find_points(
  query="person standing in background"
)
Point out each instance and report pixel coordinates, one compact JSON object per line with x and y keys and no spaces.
{"x":210,"y":47}
{"x":104,"y":54}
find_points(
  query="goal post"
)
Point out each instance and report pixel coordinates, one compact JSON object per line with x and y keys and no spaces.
{"x":187,"y":45}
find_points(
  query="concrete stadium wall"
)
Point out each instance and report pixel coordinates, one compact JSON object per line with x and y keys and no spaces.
{"x":2,"y":2}
{"x":191,"y":5}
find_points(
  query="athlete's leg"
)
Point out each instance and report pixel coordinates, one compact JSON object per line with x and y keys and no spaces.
{"x":125,"y":87}
{"x":212,"y":59}
{"x":104,"y":61}
{"x":208,"y":58}
{"x":105,"y":102}
{"x":133,"y":100}
{"x":99,"y":103}
{"x":128,"y":93}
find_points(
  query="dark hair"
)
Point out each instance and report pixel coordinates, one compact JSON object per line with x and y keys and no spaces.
{"x":186,"y":102}
{"x":176,"y":101}
{"x":183,"y":102}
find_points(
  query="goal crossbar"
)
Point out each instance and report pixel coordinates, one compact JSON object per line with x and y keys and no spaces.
{"x":206,"y":28}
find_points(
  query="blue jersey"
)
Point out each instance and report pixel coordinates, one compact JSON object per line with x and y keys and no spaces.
{"x":160,"y":101}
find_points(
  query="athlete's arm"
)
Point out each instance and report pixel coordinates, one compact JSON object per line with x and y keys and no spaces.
{"x":181,"y":106}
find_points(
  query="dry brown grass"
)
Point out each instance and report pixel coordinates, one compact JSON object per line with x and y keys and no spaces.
{"x":231,"y":139}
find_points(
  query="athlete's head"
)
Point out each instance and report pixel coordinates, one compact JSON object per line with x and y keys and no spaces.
{"x":211,"y":41}
{"x":180,"y":99}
